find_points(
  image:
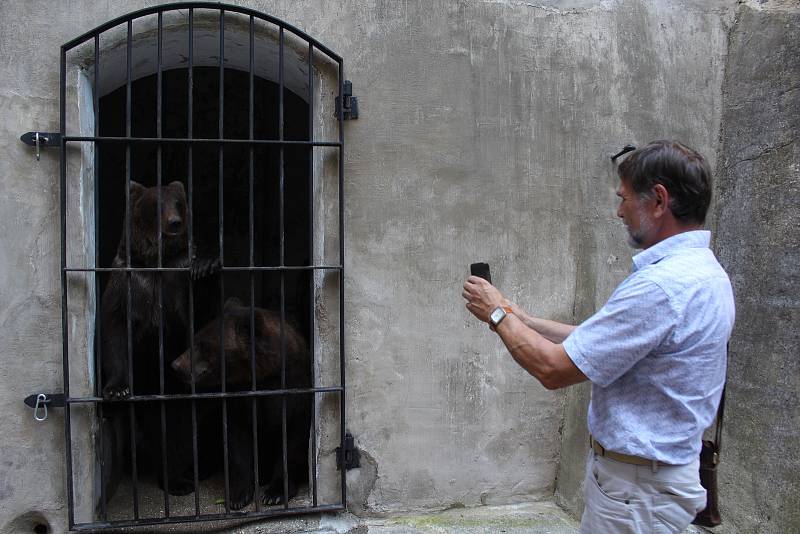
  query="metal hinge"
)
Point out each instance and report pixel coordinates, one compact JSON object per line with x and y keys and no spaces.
{"x":41,"y":139}
{"x":352,"y":458}
{"x":350,"y":102}
{"x":41,"y":401}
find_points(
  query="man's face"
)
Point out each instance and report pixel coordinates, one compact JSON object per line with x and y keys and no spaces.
{"x":635,"y":215}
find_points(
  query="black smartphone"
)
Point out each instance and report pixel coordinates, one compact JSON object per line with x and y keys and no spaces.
{"x":481,"y":270}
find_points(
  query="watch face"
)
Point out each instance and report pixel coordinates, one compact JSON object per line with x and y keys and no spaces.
{"x":497,"y":315}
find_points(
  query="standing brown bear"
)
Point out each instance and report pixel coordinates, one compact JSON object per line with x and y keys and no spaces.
{"x":234,"y":337}
{"x":146,"y":213}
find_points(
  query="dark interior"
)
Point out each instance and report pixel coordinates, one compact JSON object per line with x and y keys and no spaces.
{"x":206,"y":179}
{"x":208,"y":175}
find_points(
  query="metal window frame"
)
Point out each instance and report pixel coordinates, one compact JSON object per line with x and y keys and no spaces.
{"x":97,"y":141}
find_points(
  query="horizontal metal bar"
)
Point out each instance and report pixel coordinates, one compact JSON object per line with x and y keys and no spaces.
{"x":104,"y":139}
{"x":200,"y":5}
{"x":188,"y":269}
{"x":206,"y":396}
{"x":208,"y":517}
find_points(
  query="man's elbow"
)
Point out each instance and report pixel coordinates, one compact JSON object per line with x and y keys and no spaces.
{"x":559,"y":370}
{"x":549,"y":377}
{"x":551,"y":381}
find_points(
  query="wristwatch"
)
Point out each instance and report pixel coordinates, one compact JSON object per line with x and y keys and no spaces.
{"x":498,"y":315}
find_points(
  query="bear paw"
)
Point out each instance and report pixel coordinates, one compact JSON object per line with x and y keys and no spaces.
{"x":273,"y":494}
{"x":116,"y":392}
{"x":240,"y":499}
{"x":201,"y":268}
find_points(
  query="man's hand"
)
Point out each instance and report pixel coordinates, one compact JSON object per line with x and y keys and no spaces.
{"x":482,"y":297}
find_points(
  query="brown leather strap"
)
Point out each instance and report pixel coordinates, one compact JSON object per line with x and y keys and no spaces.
{"x":721,"y":409}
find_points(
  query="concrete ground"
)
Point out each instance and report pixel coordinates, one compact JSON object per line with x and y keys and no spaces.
{"x":528,"y":518}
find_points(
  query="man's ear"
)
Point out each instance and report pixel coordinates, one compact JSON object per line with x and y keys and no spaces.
{"x":660,"y":200}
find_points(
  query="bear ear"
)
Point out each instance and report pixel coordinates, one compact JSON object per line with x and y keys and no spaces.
{"x":136,"y":189}
{"x":233,"y":301}
{"x":178,"y":186}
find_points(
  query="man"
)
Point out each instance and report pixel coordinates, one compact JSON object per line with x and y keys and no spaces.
{"x":655,"y":353}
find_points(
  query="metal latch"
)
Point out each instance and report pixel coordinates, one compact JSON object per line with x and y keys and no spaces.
{"x":352,"y":458}
{"x":40,"y":139}
{"x":40,"y":402}
{"x":350,"y":110}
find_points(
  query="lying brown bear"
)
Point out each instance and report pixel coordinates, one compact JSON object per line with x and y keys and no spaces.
{"x":236,"y":335}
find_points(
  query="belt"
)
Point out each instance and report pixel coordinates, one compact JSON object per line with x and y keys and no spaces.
{"x":624,"y":458}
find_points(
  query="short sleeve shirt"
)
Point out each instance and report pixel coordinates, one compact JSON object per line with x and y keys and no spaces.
{"x":656,"y":351}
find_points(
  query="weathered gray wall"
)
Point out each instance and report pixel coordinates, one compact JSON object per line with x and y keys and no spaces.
{"x":758,"y":241}
{"x":484,"y":134}
{"x":755,"y":223}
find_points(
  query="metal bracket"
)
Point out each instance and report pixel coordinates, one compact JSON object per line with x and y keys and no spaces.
{"x":41,"y":401}
{"x":352,"y":458}
{"x":350,"y":102}
{"x":41,"y":139}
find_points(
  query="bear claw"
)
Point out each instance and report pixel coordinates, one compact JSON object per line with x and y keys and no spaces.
{"x":116,"y":393}
{"x":201,"y":268}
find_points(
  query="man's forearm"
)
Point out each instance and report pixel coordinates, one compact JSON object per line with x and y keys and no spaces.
{"x":551,"y":330}
{"x":544,"y":359}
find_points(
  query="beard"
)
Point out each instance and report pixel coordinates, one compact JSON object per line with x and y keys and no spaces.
{"x":637,"y":237}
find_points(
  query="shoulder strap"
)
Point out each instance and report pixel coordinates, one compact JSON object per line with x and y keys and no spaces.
{"x":720,"y":413}
{"x":721,"y":410}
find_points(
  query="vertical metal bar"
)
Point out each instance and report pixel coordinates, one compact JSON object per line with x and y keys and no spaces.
{"x":281,"y":200}
{"x":254,"y":384}
{"x":312,"y":288}
{"x":98,"y":365}
{"x":160,"y":275}
{"x":190,"y":211}
{"x":128,"y":131}
{"x":341,"y":275}
{"x":64,"y":331}
{"x":222,"y":255}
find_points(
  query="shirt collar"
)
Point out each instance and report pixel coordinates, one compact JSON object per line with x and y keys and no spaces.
{"x":671,"y":245}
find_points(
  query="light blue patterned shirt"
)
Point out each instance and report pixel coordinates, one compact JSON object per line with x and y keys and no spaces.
{"x":656,"y":351}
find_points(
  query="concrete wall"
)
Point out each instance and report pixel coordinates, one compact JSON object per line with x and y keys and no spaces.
{"x":758,"y":242}
{"x":485,"y":132}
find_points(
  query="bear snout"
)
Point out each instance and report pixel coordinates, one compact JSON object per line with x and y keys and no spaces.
{"x":174,"y":225}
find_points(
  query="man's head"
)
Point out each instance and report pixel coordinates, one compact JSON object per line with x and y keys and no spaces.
{"x":665,"y":188}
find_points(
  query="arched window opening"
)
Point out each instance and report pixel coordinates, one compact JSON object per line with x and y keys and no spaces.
{"x":203,"y":262}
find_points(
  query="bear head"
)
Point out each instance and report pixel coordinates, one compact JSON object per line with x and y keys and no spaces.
{"x":148,"y":211}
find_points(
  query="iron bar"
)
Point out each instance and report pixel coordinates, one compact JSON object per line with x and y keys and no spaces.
{"x":281,"y":512}
{"x":222,"y":259}
{"x":128,"y":133}
{"x":312,"y":287}
{"x":98,"y":346}
{"x":203,"y":5}
{"x":209,"y":395}
{"x":341,"y":276}
{"x":190,"y":230}
{"x":159,"y":275}
{"x":251,"y":230}
{"x":64,"y":311}
{"x":192,"y":141}
{"x":282,"y":248}
{"x":187,"y":269}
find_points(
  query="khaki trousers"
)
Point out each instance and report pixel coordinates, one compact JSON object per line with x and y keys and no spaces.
{"x":632,"y":499}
